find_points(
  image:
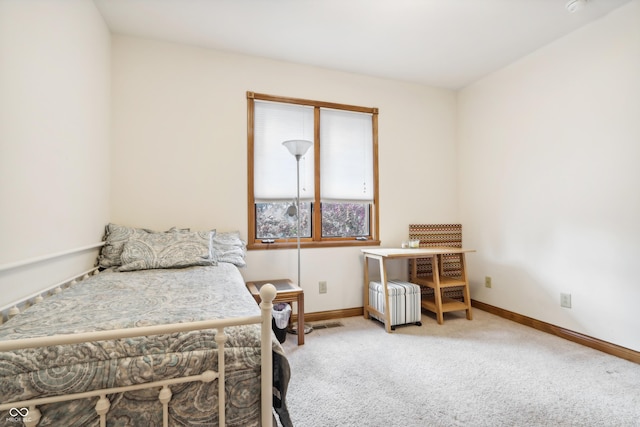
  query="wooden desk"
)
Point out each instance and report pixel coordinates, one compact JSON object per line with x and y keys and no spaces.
{"x":286,"y":291}
{"x":438,"y":304}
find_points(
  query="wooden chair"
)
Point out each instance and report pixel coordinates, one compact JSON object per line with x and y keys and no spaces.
{"x":450,"y":266}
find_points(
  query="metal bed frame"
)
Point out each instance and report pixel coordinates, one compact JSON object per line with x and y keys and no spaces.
{"x":27,"y":411}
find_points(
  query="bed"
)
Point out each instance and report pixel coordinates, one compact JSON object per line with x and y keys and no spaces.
{"x":148,"y":280}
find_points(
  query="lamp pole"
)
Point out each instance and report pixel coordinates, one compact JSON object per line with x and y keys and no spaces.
{"x":297,"y":147}
{"x":298,"y":156}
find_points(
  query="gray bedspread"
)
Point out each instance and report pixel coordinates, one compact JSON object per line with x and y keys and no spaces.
{"x":126,"y":299}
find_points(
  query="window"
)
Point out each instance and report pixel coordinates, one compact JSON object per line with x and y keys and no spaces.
{"x":338,"y":176}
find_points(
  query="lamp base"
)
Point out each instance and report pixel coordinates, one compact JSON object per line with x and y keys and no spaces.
{"x":293,"y":329}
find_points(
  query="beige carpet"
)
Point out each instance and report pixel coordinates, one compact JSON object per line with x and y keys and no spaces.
{"x":485,"y":372}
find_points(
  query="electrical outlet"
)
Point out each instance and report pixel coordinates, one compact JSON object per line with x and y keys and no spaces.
{"x":487,"y":281}
{"x":565,"y":300}
{"x":322,"y":287}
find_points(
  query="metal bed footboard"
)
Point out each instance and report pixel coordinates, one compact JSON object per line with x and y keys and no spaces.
{"x":28,"y":413}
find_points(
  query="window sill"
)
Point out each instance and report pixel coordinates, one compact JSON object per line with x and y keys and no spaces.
{"x":310,"y":244}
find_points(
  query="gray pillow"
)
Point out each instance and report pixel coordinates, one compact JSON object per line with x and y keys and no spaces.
{"x":167,"y":250}
{"x":229,"y":247}
{"x":115,"y":238}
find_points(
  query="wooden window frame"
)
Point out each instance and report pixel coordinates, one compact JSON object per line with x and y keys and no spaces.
{"x":316,"y":239}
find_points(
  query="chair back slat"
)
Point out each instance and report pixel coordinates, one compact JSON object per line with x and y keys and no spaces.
{"x":438,"y":235}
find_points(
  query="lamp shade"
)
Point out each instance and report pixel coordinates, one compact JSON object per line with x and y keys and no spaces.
{"x":574,"y":6}
{"x":297,"y":147}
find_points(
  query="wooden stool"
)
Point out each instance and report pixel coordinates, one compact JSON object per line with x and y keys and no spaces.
{"x":286,"y":291}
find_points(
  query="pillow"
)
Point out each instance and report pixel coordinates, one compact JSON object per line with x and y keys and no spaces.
{"x":167,"y":250}
{"x":229,"y":247}
{"x":115,"y":238}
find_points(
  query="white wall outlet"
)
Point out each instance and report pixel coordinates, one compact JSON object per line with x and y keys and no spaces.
{"x":322,"y":287}
{"x":487,"y":281}
{"x":565,"y":300}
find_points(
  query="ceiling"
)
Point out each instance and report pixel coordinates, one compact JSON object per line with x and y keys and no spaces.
{"x":443,"y":43}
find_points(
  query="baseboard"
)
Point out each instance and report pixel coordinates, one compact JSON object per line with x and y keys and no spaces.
{"x":605,"y":347}
{"x":330,"y":315}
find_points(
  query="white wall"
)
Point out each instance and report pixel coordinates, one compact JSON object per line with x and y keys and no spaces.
{"x":54,"y":137}
{"x":180,"y":151}
{"x":547,"y":156}
{"x":549,"y":150}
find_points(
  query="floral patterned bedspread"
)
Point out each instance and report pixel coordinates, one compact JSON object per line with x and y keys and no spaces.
{"x":142,"y":298}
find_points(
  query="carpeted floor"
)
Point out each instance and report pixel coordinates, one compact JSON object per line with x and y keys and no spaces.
{"x":485,"y":372}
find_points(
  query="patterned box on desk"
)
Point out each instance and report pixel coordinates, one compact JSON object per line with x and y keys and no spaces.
{"x":404,"y":301}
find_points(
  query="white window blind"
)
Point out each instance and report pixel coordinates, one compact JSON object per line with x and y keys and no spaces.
{"x":274,"y":167}
{"x":346,"y":153}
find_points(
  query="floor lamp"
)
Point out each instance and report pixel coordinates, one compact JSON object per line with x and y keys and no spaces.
{"x":297,"y":147}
